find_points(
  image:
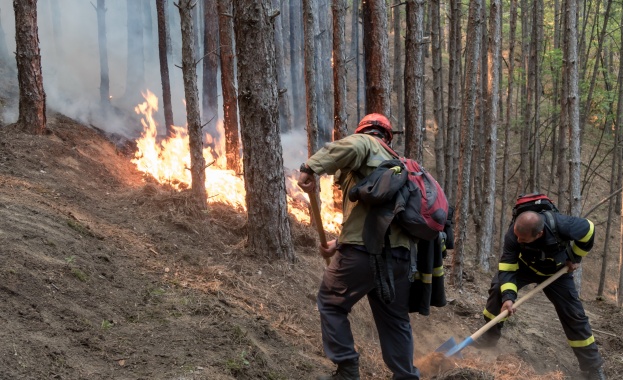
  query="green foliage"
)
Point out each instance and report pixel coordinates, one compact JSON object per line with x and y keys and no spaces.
{"x":80,"y":275}
{"x":236,"y":365}
{"x":106,"y":324}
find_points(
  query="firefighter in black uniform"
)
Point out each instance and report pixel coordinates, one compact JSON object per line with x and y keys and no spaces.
{"x":535,"y":248}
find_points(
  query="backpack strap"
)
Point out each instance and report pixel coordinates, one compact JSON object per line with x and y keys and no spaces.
{"x":551,"y":221}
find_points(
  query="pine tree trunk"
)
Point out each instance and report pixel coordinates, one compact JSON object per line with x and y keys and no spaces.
{"x":103,"y":51}
{"x":310,"y":77}
{"x":297,"y":63}
{"x":355,"y":56}
{"x":398,"y":80}
{"x":376,"y":52}
{"x":414,"y":80}
{"x":210,"y":67}
{"x":197,"y":161}
{"x":524,"y":166}
{"x":228,"y":79}
{"x":340,"y":129}
{"x":324,"y":77}
{"x":285,"y":116}
{"x":467,"y":136}
{"x":493,"y":98}
{"x":164,"y":66}
{"x":32,"y":118}
{"x":438,"y":103}
{"x":268,"y":224}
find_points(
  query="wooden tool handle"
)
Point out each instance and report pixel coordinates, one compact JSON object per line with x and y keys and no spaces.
{"x":313,"y":199}
{"x":529,"y":295}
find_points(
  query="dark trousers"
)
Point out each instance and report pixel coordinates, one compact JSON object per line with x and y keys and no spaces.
{"x":563,"y":295}
{"x":347,"y":280}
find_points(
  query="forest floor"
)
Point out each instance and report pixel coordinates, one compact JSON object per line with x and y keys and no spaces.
{"x":106,"y":275}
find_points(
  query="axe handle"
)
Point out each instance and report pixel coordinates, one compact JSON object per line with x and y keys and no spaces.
{"x":313,"y":200}
{"x":526,"y":297}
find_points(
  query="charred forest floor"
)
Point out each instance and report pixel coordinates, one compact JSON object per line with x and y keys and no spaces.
{"x":107,"y":275}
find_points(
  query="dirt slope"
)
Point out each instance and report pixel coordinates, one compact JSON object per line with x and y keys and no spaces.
{"x":107,"y":276}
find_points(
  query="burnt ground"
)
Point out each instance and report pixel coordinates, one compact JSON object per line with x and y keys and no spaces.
{"x":106,"y":275}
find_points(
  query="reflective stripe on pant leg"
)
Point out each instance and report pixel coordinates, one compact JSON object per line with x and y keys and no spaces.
{"x":564,"y":296}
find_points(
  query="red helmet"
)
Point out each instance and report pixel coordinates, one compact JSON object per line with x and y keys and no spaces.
{"x":375,"y":121}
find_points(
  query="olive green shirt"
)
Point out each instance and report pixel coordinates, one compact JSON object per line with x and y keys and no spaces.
{"x":355,"y":156}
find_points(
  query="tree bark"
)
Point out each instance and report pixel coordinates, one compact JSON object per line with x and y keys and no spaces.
{"x":438,"y":103}
{"x":466,"y":138}
{"x":197,"y":161}
{"x":414,"y":81}
{"x":340,"y":129}
{"x":103,"y":52}
{"x":32,"y":118}
{"x":285,"y":116}
{"x":268,"y":225}
{"x":310,"y":77}
{"x":398,"y":80}
{"x":297,"y":62}
{"x":228,"y":85}
{"x":210,"y":67}
{"x":375,"y":45}
{"x":164,"y":66}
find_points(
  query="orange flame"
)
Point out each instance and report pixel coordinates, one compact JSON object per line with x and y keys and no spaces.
{"x":168,"y":161}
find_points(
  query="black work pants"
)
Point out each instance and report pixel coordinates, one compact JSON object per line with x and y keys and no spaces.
{"x":563,"y":295}
{"x":347,"y":280}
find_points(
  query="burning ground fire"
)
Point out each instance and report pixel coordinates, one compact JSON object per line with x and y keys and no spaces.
{"x":168,"y":161}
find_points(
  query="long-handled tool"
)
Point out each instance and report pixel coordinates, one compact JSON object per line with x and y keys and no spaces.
{"x":313,"y":199}
{"x":451,"y":348}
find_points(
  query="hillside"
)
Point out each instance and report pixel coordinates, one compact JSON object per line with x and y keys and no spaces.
{"x":106,"y":275}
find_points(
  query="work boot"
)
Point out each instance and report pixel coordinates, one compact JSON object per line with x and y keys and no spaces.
{"x":596,"y":374}
{"x":348,"y":370}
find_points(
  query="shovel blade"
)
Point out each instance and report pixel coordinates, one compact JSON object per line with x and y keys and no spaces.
{"x":447,"y":346}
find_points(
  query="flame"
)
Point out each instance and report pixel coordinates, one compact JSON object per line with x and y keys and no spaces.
{"x":168,"y":162}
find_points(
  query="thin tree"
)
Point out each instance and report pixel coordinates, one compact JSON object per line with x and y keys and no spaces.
{"x":228,"y":79}
{"x":534,"y":91}
{"x":164,"y":66}
{"x":573,"y":103}
{"x":491,"y":127}
{"x":438,"y":103}
{"x":268,"y":225}
{"x":524,"y":165}
{"x":103,"y":51}
{"x":467,"y":136}
{"x":297,"y":62}
{"x":340,"y":129}
{"x":285,"y":116}
{"x":189,"y":69}
{"x":414,"y":80}
{"x":209,"y":100}
{"x":32,"y":118}
{"x":507,"y":126}
{"x":148,"y":31}
{"x":309,"y":48}
{"x":135,"y":70}
{"x":354,"y":53}
{"x":398,"y":81}
{"x":376,"y":52}
{"x":562,"y":170}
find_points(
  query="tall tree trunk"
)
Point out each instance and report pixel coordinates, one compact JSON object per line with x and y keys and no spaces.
{"x":135,"y":72}
{"x":355,"y":55}
{"x":524,"y":166}
{"x":571,"y":67}
{"x":103,"y":51}
{"x":454,"y":74}
{"x":197,"y":161}
{"x":310,"y":77}
{"x":228,"y":84}
{"x":148,"y":30}
{"x":210,"y":67}
{"x":414,"y":80}
{"x":297,"y":62}
{"x":467,"y":136}
{"x":340,"y":129}
{"x":438,"y":104}
{"x":32,"y":118}
{"x":534,"y":91}
{"x":285,"y":117}
{"x":324,"y":77}
{"x":507,"y":127}
{"x":268,"y":228}
{"x":493,"y":99}
{"x":164,"y":66}
{"x":562,"y":170}
{"x":398,"y":80}
{"x":376,"y":52}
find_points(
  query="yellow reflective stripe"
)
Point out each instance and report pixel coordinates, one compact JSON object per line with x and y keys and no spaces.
{"x":577,"y":250}
{"x":487,"y":314}
{"x":438,"y":272}
{"x":582,"y":343}
{"x":508,"y":267}
{"x":508,"y":286}
{"x":427,"y":278}
{"x":589,"y":234}
{"x":534,"y":269}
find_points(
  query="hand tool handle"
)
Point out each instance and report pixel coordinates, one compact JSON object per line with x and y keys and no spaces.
{"x":313,"y":200}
